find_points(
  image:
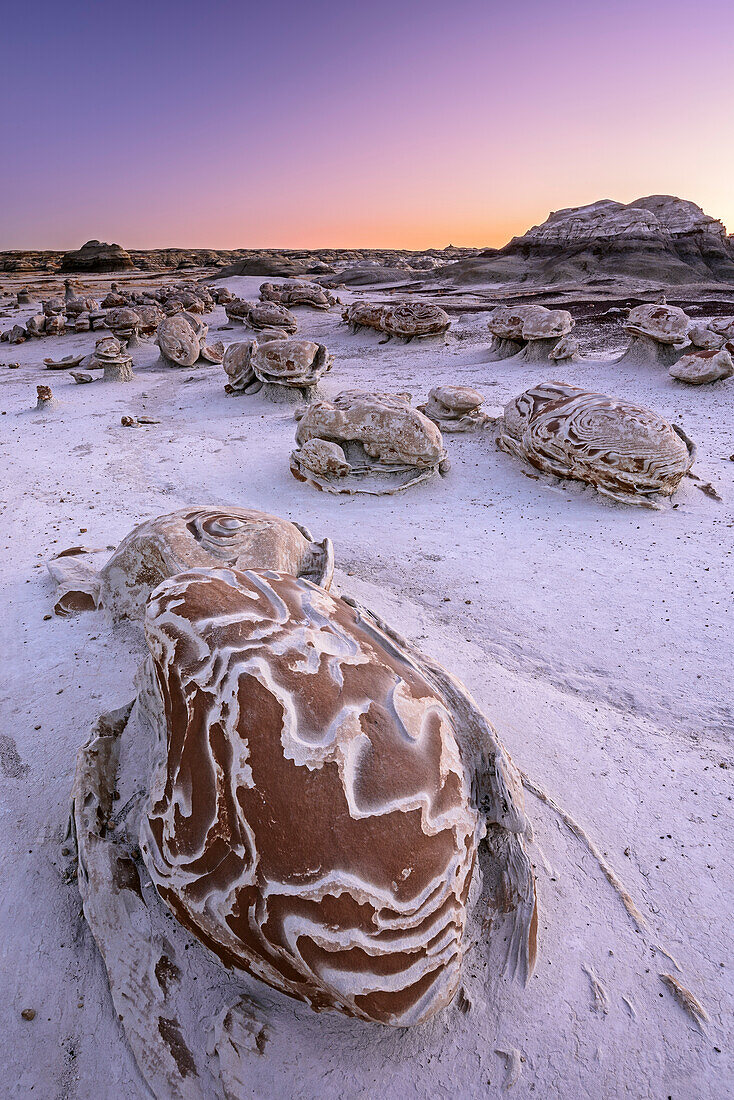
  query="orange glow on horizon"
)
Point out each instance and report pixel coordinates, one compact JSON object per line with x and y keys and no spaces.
{"x":311,"y":126}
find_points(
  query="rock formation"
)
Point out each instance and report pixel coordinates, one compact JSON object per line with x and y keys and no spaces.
{"x":342,"y":870}
{"x":150,"y":316}
{"x":408,"y":319}
{"x":181,"y":338}
{"x":385,"y":444}
{"x":363,"y":315}
{"x":76,"y":304}
{"x":45,"y":400}
{"x":659,"y":238}
{"x":261,"y":315}
{"x":202,"y":538}
{"x":303,"y":802}
{"x":284,"y":370}
{"x":567,"y":350}
{"x":193,"y":538}
{"x":289,"y":370}
{"x":265,"y":315}
{"x":414,"y":319}
{"x":532,"y":333}
{"x":66,"y":363}
{"x":658,"y":331}
{"x":77,"y":582}
{"x":124,"y":323}
{"x":506,"y":325}
{"x":237,"y":362}
{"x":95,"y":256}
{"x":704,"y":337}
{"x":703,"y":366}
{"x":625,"y":451}
{"x":297,"y":293}
{"x":109,"y":355}
{"x":455,"y":408}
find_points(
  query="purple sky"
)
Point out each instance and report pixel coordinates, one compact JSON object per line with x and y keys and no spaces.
{"x":406,"y":123}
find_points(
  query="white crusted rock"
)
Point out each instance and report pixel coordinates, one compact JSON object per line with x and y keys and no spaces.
{"x":455,"y":408}
{"x":388,"y":445}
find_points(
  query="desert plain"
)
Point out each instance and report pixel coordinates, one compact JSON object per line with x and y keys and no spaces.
{"x":595,"y":636}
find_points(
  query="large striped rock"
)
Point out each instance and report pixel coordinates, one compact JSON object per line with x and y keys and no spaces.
{"x":625,"y":451}
{"x":310,"y":817}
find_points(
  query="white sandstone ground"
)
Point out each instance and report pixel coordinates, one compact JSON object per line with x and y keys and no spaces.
{"x":597,"y":638}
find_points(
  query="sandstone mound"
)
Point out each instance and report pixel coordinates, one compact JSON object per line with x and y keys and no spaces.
{"x":660,"y":237}
{"x":97,"y":256}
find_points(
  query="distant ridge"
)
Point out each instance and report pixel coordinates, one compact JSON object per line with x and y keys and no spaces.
{"x":659,"y":238}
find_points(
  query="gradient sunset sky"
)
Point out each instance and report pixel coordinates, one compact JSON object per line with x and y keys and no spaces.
{"x":400,"y":123}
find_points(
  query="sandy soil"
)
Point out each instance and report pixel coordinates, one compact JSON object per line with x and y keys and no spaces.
{"x":597,"y":637}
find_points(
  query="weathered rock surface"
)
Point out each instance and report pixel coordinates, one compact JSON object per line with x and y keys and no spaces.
{"x":95,"y":256}
{"x":181,"y":339}
{"x":305,"y":803}
{"x":455,"y":408}
{"x":625,"y":451}
{"x":703,"y":367}
{"x":409,"y":319}
{"x":660,"y":237}
{"x":197,"y":538}
{"x":387,"y":445}
{"x":343,"y":871}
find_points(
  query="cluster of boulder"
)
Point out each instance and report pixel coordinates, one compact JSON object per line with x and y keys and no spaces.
{"x":273,"y":312}
{"x":72,"y":313}
{"x":660,"y":334}
{"x":296,"y":292}
{"x":127,"y":312}
{"x":262,"y":316}
{"x":169,"y":298}
{"x":692,"y":352}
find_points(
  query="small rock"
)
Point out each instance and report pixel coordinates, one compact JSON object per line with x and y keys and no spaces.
{"x":28,"y":1013}
{"x":708,"y":489}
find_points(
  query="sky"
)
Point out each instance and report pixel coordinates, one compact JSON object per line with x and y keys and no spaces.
{"x":375,"y":124}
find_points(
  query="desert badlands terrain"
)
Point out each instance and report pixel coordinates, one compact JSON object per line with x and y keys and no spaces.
{"x":593,"y":634}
